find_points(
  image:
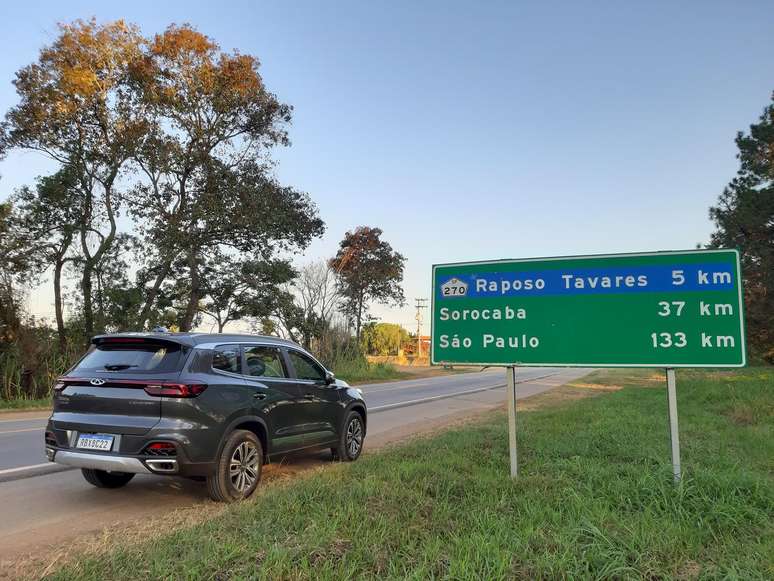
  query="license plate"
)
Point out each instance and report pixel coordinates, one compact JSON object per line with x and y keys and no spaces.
{"x":95,"y":442}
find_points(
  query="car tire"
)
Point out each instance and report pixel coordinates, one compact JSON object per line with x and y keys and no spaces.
{"x":352,"y":438}
{"x":104,"y":479}
{"x":238,"y":468}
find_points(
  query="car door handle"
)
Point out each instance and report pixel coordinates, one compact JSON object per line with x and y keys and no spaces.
{"x":259,"y":396}
{"x":309,"y":396}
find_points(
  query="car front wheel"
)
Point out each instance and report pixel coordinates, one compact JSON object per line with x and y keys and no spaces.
{"x":238,"y":468}
{"x":351,"y":439}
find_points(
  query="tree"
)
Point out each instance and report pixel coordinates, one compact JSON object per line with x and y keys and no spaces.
{"x":744,"y":216}
{"x":13,"y":264}
{"x":235,"y":290}
{"x":206,"y":186}
{"x":311,"y":301}
{"x":368,"y":269}
{"x":383,"y":338}
{"x":49,"y":216}
{"x":79,"y":107}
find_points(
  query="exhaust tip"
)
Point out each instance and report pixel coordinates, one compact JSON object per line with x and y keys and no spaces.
{"x":162,"y":465}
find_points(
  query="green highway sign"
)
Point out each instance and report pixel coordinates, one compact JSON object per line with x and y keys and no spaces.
{"x":658,"y":309}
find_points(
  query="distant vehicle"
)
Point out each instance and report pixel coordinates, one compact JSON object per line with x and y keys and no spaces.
{"x":214,"y":407}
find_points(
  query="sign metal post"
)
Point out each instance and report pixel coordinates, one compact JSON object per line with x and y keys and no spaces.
{"x":674,"y":435}
{"x":511,"y":371}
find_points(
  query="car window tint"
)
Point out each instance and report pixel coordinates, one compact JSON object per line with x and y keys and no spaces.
{"x":226,"y":358}
{"x":305,"y":367}
{"x":264,"y":362}
{"x":135,"y":357}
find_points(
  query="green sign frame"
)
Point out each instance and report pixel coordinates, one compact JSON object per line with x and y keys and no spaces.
{"x":654,"y":309}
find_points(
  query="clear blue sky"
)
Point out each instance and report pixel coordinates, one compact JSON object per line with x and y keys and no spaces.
{"x":480,"y":130}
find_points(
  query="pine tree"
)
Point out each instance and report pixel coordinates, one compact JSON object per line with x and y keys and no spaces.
{"x":744,"y":216}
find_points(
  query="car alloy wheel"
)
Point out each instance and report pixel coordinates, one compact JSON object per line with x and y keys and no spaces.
{"x":243,"y":469}
{"x":354,"y":438}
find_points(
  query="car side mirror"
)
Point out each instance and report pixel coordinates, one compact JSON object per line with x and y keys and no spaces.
{"x":329,"y":378}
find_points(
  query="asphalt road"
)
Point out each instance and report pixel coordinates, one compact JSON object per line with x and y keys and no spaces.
{"x":44,"y":503}
{"x":21,"y":440}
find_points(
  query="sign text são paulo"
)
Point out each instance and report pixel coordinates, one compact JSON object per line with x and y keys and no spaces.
{"x":661,"y":309}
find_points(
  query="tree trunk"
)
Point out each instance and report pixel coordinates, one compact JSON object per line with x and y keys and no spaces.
{"x":92,"y":260}
{"x":60,"y":328}
{"x":153,"y":293}
{"x":193,"y":298}
{"x":359,"y":318}
{"x":88,"y":311}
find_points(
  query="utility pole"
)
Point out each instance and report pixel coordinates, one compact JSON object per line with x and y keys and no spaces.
{"x":420,"y":304}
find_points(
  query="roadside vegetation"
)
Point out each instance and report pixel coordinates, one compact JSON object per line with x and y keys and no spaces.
{"x":175,"y":136}
{"x":594,"y":498}
{"x":360,"y":370}
{"x":25,"y":404}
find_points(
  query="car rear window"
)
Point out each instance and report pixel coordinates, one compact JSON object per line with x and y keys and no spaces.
{"x":132,"y":358}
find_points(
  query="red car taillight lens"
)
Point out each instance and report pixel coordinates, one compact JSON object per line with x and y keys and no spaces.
{"x":168,"y":389}
{"x":160,"y":449}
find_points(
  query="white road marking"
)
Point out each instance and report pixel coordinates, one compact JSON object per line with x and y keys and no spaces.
{"x":23,"y":468}
{"x":22,"y":430}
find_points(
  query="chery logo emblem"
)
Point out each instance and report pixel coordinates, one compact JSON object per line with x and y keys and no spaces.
{"x":97,"y":381}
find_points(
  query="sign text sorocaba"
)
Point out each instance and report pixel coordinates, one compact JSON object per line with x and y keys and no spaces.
{"x":661,"y":309}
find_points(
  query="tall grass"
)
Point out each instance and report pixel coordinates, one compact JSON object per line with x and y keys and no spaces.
{"x":358,"y":369}
{"x":29,"y":367}
{"x":341,"y":353}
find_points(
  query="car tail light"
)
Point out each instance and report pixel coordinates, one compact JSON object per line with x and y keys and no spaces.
{"x":169,"y":389}
{"x":51,"y":439}
{"x":161,"y":449}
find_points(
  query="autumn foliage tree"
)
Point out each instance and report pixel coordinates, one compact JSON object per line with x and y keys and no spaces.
{"x":368,"y":270}
{"x":79,"y":107}
{"x":175,"y":134}
{"x":744,"y":216}
{"x":206,"y":188}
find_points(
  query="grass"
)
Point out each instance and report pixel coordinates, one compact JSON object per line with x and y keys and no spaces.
{"x":358,"y":370}
{"x":594,"y":499}
{"x":29,"y":369}
{"x":24,"y":404}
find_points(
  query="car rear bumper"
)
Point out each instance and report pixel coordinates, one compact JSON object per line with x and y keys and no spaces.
{"x":101,"y":462}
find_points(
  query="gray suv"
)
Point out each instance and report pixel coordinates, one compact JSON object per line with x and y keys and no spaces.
{"x":214,"y":407}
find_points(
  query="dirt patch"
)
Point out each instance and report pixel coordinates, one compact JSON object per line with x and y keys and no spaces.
{"x":35,"y":565}
{"x":38,"y":564}
{"x":563,"y":395}
{"x":601,"y":386}
{"x":689,"y":570}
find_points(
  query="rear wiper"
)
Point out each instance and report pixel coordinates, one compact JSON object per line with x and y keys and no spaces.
{"x":118,"y":366}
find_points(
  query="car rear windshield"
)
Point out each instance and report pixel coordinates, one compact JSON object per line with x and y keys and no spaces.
{"x":142,"y":357}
